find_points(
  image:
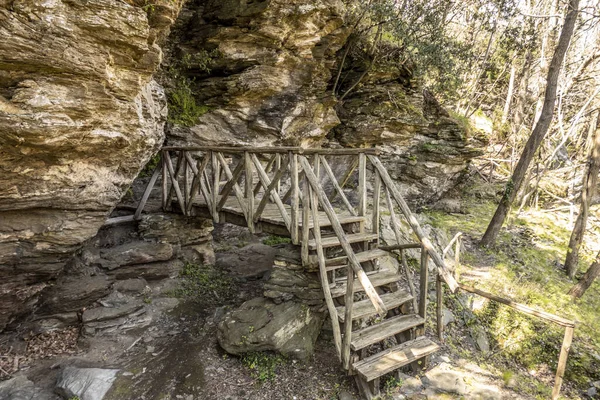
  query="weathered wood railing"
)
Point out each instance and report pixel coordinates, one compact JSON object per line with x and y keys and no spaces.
{"x":569,"y":325}
{"x":300,"y":184}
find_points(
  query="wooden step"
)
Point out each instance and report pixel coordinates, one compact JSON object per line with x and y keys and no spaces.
{"x":382,"y":277}
{"x":344,"y":219}
{"x":363,"y":256}
{"x":391,"y":359}
{"x":364,"y":308}
{"x":334,"y":241}
{"x":383,"y":330}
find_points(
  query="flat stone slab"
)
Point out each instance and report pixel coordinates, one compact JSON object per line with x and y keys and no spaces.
{"x":85,"y":383}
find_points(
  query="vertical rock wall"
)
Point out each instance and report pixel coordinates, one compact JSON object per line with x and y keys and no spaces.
{"x":79,"y":116}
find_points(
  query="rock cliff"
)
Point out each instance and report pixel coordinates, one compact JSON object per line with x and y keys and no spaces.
{"x":81,"y":111}
{"x":80,"y":114}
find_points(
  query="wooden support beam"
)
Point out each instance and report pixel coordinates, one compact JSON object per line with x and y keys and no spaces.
{"x":439,"y":291}
{"x":562,"y":361}
{"x":376,"y":200}
{"x":248,"y":192}
{"x":236,"y":188}
{"x":264,"y":179}
{"x":174,"y":182}
{"x":294,"y":189}
{"x":164,"y":182}
{"x":336,"y":185}
{"x":305,"y":221}
{"x":216,"y":184}
{"x":197,"y":170}
{"x":146,"y":195}
{"x":270,"y":189}
{"x":424,"y":283}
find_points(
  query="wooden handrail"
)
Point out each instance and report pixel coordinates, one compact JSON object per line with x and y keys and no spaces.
{"x":274,"y":150}
{"x":521,"y":307}
{"x":414,"y":224}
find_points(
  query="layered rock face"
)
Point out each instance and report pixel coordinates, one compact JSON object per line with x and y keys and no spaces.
{"x":79,"y":116}
{"x":269,"y":72}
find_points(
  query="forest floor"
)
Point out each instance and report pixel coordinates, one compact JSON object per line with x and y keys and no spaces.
{"x":526,"y":265}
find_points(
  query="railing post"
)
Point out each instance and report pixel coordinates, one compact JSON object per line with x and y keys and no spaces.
{"x":249,"y":190}
{"x":362,"y":185}
{"x":439,"y":291}
{"x":376,"y":200}
{"x":423,"y":284}
{"x":165,"y":183}
{"x":562,"y":361}
{"x":186,"y":182}
{"x":294,"y":197}
{"x":216,"y":184}
{"x":305,"y":220}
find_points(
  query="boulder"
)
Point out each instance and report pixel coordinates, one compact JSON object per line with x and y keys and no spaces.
{"x":287,"y":284}
{"x":249,"y":262}
{"x":85,"y":383}
{"x":137,"y":252}
{"x":175,"y":229}
{"x":261,"y":325}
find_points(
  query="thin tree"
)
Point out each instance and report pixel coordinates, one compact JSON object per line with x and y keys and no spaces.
{"x":540,"y":130}
{"x":584,"y":283}
{"x":588,"y":189}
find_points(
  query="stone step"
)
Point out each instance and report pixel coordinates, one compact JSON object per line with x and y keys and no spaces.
{"x":383,"y":330}
{"x":382,"y":277}
{"x":364,"y":308}
{"x":393,"y":358}
{"x":364,"y":256}
{"x":333,"y":241}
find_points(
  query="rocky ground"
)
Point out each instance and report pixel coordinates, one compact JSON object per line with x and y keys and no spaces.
{"x":178,"y":356}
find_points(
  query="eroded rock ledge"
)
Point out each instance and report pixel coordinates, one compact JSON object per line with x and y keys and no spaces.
{"x":80,"y":114}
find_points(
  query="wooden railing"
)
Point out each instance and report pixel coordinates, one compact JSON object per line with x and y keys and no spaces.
{"x":301,"y":184}
{"x":569,"y":325}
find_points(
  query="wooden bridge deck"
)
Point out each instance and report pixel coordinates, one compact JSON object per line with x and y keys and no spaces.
{"x":271,"y":219}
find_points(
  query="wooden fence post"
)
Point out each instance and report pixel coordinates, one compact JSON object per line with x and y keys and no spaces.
{"x":562,"y":361}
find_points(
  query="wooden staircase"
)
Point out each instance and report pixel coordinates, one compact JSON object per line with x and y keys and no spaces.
{"x":377,"y":316}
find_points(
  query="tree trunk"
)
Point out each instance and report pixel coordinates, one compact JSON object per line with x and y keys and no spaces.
{"x":509,"y":94}
{"x":584,"y":283}
{"x":540,"y":130}
{"x":588,"y":189}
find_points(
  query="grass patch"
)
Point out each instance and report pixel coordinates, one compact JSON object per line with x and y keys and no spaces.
{"x":204,"y":284}
{"x":263,"y":366}
{"x":183,"y":109}
{"x":273,"y":240}
{"x":526,"y":266}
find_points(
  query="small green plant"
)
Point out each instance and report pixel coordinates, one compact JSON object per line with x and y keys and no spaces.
{"x":183,"y":109}
{"x":391,"y":384}
{"x":263,"y":366}
{"x":150,"y":166}
{"x":74,"y":398}
{"x":204,"y":284}
{"x":273,"y":240}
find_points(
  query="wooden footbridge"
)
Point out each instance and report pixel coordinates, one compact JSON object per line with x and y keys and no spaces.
{"x":330,"y":202}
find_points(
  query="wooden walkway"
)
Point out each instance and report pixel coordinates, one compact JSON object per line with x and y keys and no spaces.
{"x":331,"y":204}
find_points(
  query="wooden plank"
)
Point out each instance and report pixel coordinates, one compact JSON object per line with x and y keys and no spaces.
{"x":383,"y":330}
{"x":521,"y":307}
{"x":391,"y":359}
{"x":278,"y":166}
{"x":248,"y":192}
{"x":275,"y":150}
{"x":363,"y":256}
{"x":295,"y":198}
{"x":364,"y":308}
{"x":414,"y":224}
{"x":147,"y":192}
{"x":562,"y":361}
{"x":335,"y":325}
{"x":174,"y":182}
{"x":380,"y":278}
{"x":271,"y":189}
{"x":336,"y":185}
{"x":409,"y":279}
{"x":339,"y":231}
{"x":350,"y":238}
{"x":177,"y":170}
{"x":266,"y":183}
